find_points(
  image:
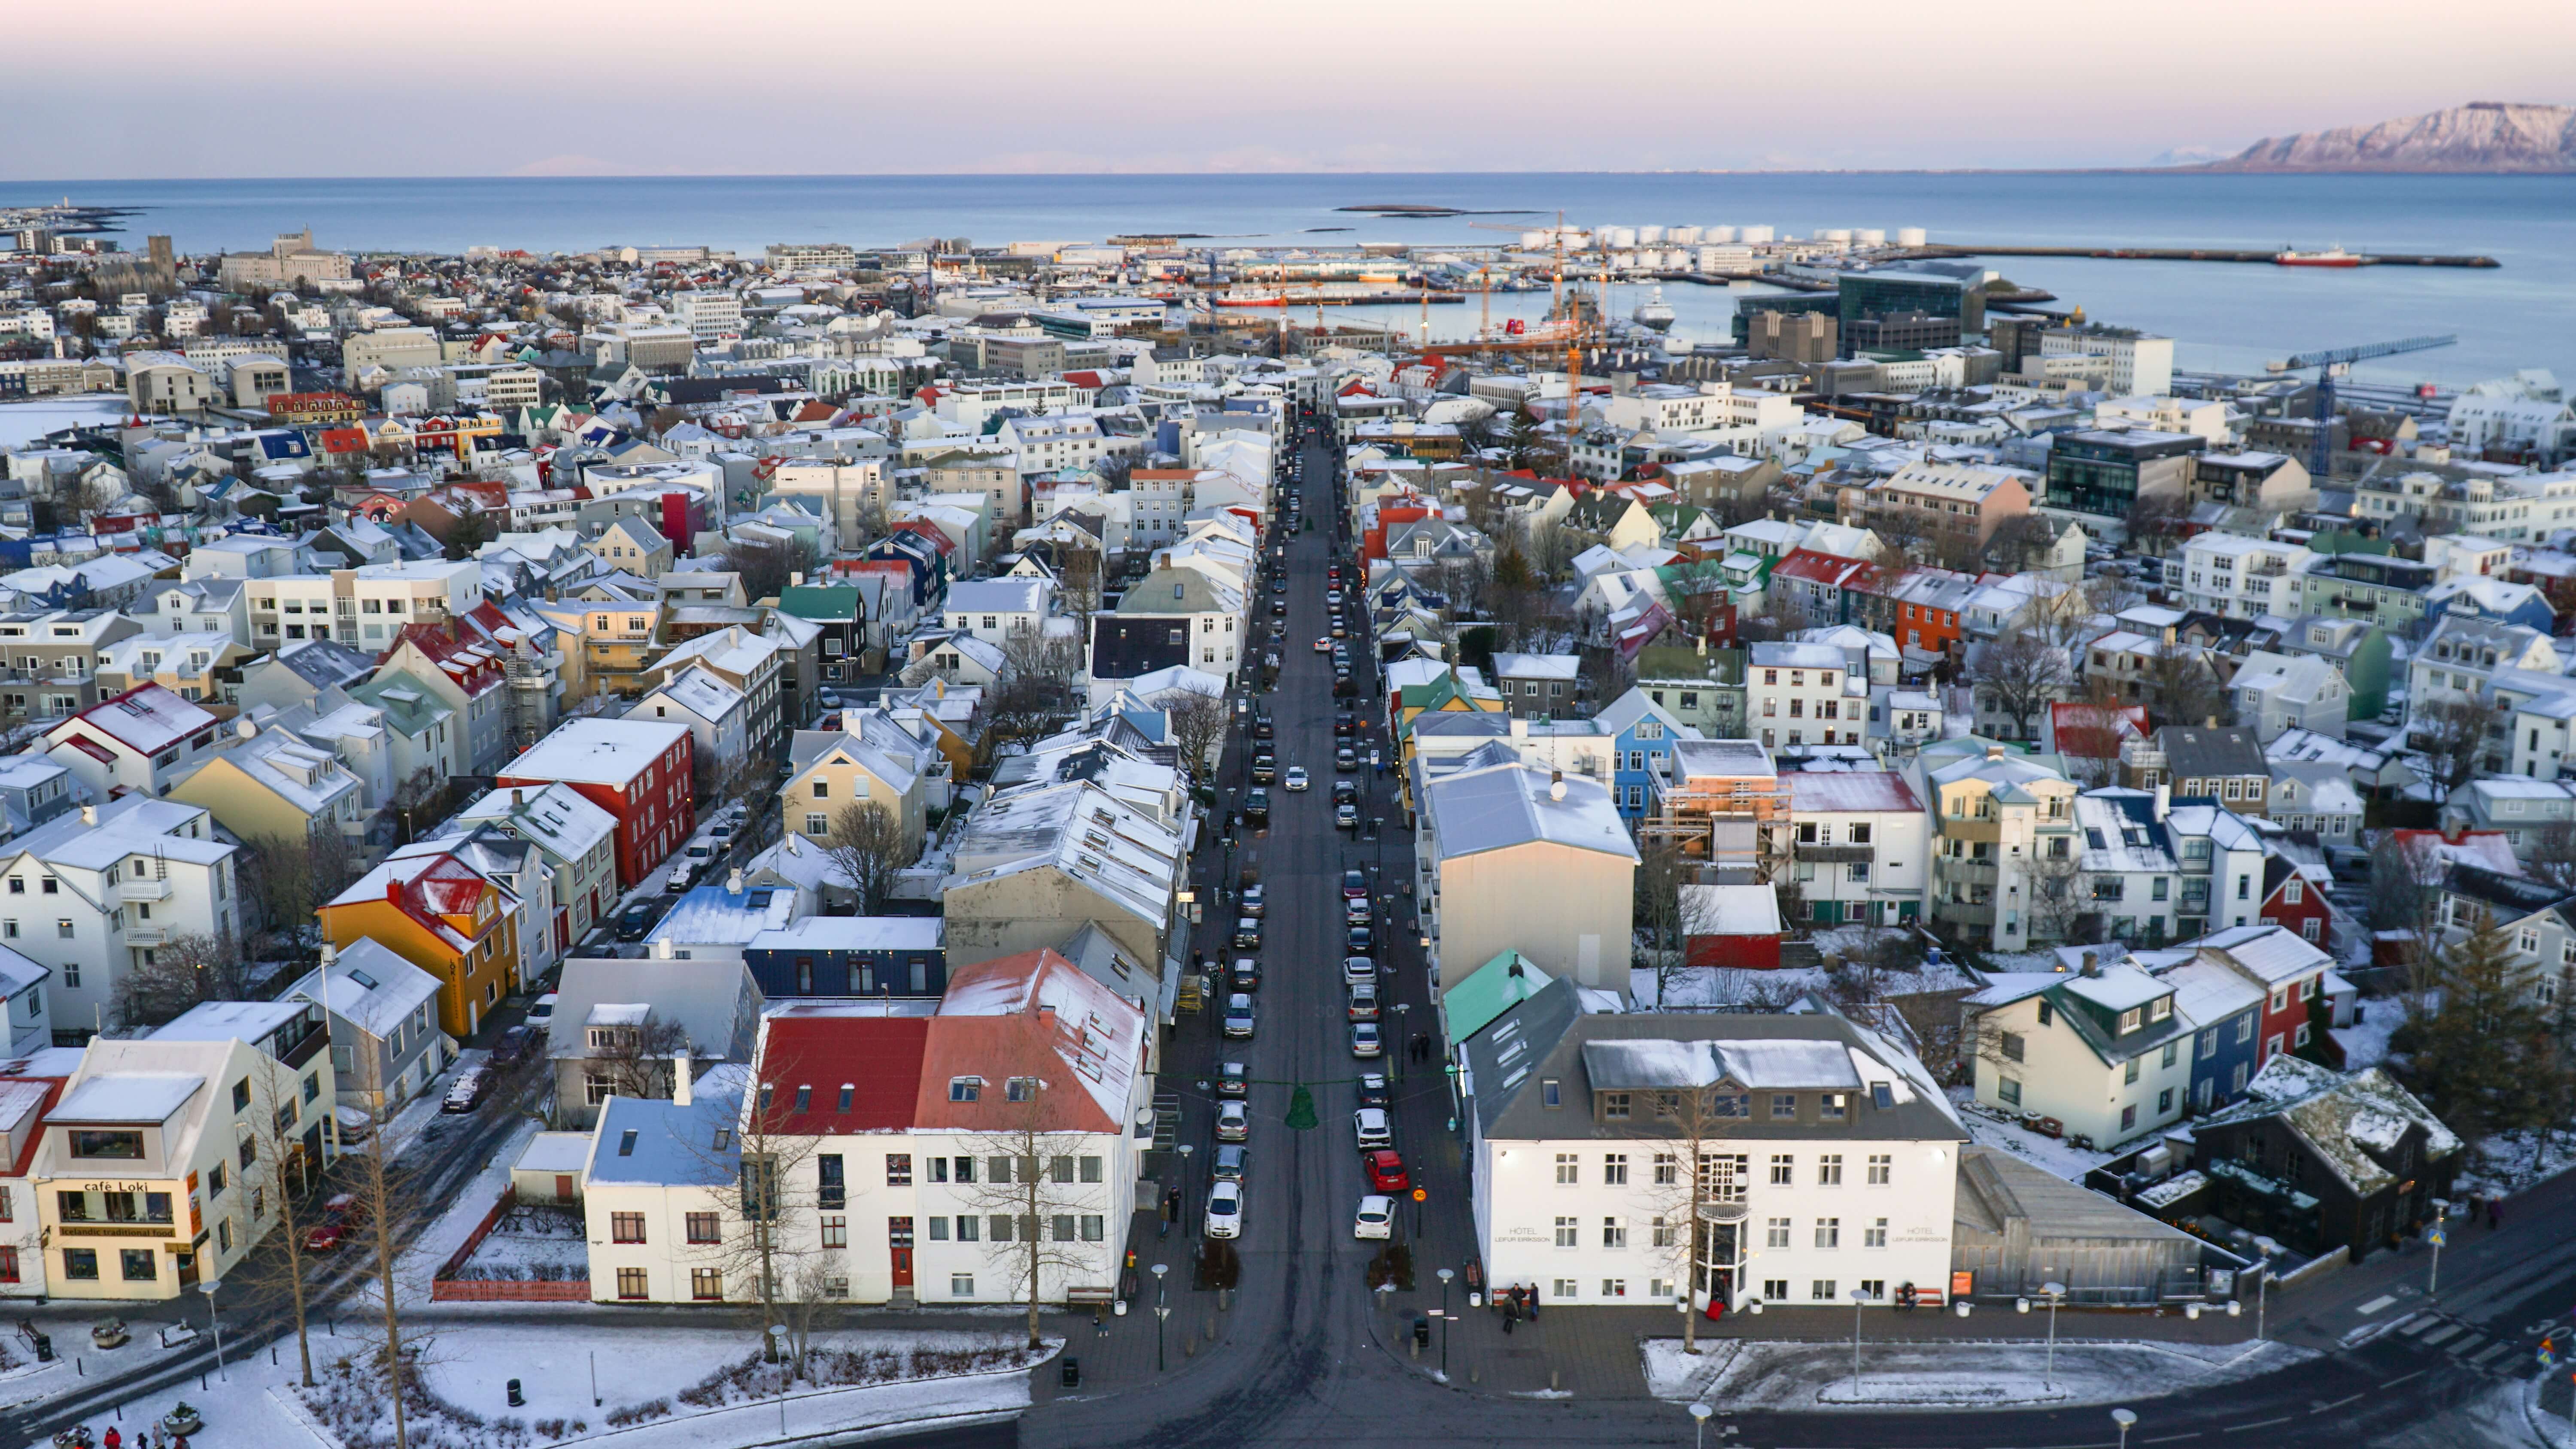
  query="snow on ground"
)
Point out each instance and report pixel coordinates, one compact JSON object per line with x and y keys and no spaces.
{"x":440,"y":1240}
{"x":22,"y":423}
{"x":538,"y":1241}
{"x":2365,"y":1043}
{"x":1747,"y":1374}
{"x":2051,"y":1153}
{"x":23,"y":1380}
{"x":2511,"y":1161}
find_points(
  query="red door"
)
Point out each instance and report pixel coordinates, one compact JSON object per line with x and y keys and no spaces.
{"x":899,"y":1243}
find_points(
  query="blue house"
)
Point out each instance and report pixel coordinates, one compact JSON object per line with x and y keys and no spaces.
{"x":2223,"y":1007}
{"x":1641,"y":738}
{"x":2478,"y":597}
{"x":851,"y":956}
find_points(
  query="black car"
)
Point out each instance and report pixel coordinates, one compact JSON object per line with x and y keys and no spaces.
{"x":1262,"y":728}
{"x":1247,"y":973}
{"x":1361,"y":942}
{"x":1346,"y":792}
{"x":1344,"y":722}
{"x":1342,"y":687}
{"x":1256,"y":806}
{"x":1279,"y":606}
{"x":1373,"y":1089}
{"x":637,"y":920}
{"x":513,"y":1045}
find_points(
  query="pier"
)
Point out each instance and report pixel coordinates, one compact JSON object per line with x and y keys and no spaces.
{"x":2184,"y":254}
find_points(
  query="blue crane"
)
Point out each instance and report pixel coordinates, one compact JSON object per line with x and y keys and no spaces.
{"x":2333,"y":364}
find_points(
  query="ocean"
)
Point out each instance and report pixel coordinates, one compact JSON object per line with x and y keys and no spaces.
{"x":2222,"y":316}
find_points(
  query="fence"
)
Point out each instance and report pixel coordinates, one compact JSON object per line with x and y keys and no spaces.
{"x":446,"y":1287}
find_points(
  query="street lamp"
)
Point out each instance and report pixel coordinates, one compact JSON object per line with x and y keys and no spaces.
{"x":2262,"y":1281}
{"x":1162,"y":1314}
{"x":1860,"y":1300}
{"x":1403,"y":1039}
{"x":1186,"y":1150}
{"x":2055,"y":1291}
{"x":1445,"y":1275}
{"x":778,"y":1335}
{"x":2433,"y":1280}
{"x":2125,"y":1419}
{"x":1699,"y":1425}
{"x":208,"y":1288}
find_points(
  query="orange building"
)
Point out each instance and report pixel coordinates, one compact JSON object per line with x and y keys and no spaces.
{"x":442,"y":916}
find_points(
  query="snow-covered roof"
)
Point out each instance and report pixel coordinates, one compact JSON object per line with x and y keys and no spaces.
{"x":1730,"y":910}
{"x":597,"y":751}
{"x":368,"y":986}
{"x":855,"y":933}
{"x":127,"y":1097}
{"x":2343,"y":1118}
{"x":1500,"y":806}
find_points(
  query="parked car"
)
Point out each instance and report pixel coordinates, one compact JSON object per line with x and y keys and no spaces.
{"x":1362,"y":1003}
{"x":1232,"y":1158}
{"x":1247,"y":973}
{"x":1256,"y":806}
{"x":1233,"y":1122}
{"x":1256,"y":900}
{"x":1365,"y":1040}
{"x":635,"y":921}
{"x":513,"y":1045}
{"x":1371,"y":1125}
{"x":1347,"y":792}
{"x":1355,"y":885}
{"x":1296,"y":777}
{"x":1375,"y":1218}
{"x":1344,"y":761}
{"x":466,"y":1092}
{"x":1238,"y":1015}
{"x":541,"y":1012}
{"x":1346,"y":816}
{"x":1385,"y":1169}
{"x":1264,"y":769}
{"x":1262,"y":728}
{"x":1344,"y":723}
{"x":1247,"y":934}
{"x":1360,"y":942}
{"x":1225,"y":1210}
{"x":1373,"y":1091}
{"x":1355,"y":913}
{"x":339,"y":1219}
{"x":1356,"y":969}
{"x":1233,"y":1079}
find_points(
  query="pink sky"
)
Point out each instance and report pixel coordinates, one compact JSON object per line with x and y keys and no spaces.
{"x":481,"y":87}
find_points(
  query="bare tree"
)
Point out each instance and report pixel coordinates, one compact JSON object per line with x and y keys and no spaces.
{"x":418,"y":798}
{"x":1078,"y":577}
{"x":2057,"y":898}
{"x":2553,"y":855}
{"x":2023,"y":673}
{"x":770,"y":1213}
{"x":1198,"y":723}
{"x":178,"y":974}
{"x":2453,"y":734}
{"x":767,"y":565}
{"x":867,"y":846}
{"x":282,"y":1167}
{"x":290,"y":876}
{"x":1662,"y":872}
{"x":1029,"y":1193}
{"x":2185,"y":687}
{"x":1043,"y":663}
{"x":2406,"y":878}
{"x":380,"y":1192}
{"x":1695,"y":1185}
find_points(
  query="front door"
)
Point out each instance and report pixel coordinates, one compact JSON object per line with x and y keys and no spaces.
{"x":899,"y":1243}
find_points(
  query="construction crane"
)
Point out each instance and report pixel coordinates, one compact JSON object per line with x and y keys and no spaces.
{"x":2336,"y":363}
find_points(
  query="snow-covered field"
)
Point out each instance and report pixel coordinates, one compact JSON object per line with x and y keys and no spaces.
{"x":1743,"y":1374}
{"x":22,"y":423}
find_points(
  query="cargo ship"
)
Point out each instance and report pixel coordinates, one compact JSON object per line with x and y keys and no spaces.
{"x":2330,"y":257}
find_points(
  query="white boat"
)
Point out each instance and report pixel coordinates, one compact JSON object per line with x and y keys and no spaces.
{"x":1654,"y":312}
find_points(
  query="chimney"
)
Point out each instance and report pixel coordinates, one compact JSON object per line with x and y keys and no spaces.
{"x":393,"y":889}
{"x":796,"y":578}
{"x":1994,"y":752}
{"x":89,"y":815}
{"x":2164,"y":801}
{"x":733,"y":882}
{"x":1556,"y":785}
{"x":330,"y":953}
{"x":680,"y":1078}
{"x":2092,"y":964}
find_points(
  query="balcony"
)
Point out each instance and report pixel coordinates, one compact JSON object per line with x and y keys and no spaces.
{"x":1724,"y":1212}
{"x":157,"y":888}
{"x":146,"y":935}
{"x":1836,"y":854}
{"x":1949,"y":869}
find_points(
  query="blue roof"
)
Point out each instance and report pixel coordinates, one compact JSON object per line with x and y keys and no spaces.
{"x":646,"y":1141}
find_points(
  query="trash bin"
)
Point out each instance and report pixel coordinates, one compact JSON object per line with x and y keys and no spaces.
{"x":1069,"y":1372}
{"x":1422,"y":1332}
{"x":517,"y":1401}
{"x":44,"y":1348}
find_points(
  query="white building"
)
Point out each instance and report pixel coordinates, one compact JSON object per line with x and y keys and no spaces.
{"x":1862,"y":845}
{"x":2240,"y":577}
{"x":1827,"y":1158}
{"x":1799,"y":694}
{"x":95,"y":893}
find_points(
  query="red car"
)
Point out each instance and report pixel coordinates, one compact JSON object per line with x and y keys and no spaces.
{"x":1354,"y":885}
{"x":339,"y":1215}
{"x":1385,"y":1171}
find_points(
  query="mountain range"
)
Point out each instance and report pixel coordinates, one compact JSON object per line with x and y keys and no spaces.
{"x":2482,"y":136}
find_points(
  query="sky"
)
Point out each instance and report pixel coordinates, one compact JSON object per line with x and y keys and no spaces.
{"x":823,"y":87}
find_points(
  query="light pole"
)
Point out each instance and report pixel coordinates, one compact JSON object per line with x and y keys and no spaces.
{"x":778,"y":1334}
{"x":1860,"y":1300}
{"x":1162,"y":1314}
{"x":1403,"y":1042}
{"x":2055,"y":1291}
{"x":1445,"y":1275}
{"x":208,"y":1288}
{"x":1699,"y":1425}
{"x":1186,"y":1149}
{"x":2265,"y":1247}
{"x":2433,"y":1280}
{"x":2125,"y":1419}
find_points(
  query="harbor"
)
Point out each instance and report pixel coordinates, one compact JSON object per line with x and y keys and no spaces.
{"x":2334,"y":257}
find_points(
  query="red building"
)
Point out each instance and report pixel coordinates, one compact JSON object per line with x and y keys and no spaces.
{"x":2293,"y":900}
{"x":1731,"y":925}
{"x":2290,"y":969}
{"x":636,"y":770}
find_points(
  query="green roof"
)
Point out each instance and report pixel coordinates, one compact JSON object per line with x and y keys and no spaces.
{"x":821,"y":601}
{"x":1488,"y":991}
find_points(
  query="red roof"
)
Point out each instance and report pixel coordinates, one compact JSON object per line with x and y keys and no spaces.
{"x":345,"y":440}
{"x":877,"y":1057}
{"x":1087,"y":379}
{"x":926,"y":530}
{"x":469,"y":662}
{"x":1822,"y":568}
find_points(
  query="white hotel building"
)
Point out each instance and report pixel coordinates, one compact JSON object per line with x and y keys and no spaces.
{"x":1831,"y":1158}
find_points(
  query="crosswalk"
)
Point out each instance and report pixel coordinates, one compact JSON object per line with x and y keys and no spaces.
{"x":2466,"y":1344}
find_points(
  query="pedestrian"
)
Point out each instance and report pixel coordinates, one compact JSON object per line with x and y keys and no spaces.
{"x":1533,"y":1304}
{"x":1511,"y":1315}
{"x":2495,"y":1213}
{"x":114,"y":1440}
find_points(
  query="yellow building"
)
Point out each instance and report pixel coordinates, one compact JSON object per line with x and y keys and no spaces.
{"x":442,"y":916}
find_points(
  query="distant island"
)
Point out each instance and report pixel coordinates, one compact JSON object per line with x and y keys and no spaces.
{"x":2482,"y":136}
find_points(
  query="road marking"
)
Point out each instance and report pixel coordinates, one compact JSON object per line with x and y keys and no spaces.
{"x":2447,"y":1330}
{"x":2264,"y":1424}
{"x":2492,"y":1351}
{"x":2337,"y":1404}
{"x":2419,"y":1327}
{"x":2376,"y":1304}
{"x":2170,"y":1438}
{"x":2467,"y":1344}
{"x":2392,"y":1383}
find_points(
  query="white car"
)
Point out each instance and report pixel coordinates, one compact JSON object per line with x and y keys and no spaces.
{"x":1356,"y":969}
{"x":1225,"y":1210}
{"x":1233,"y":1122}
{"x":1296,"y":777}
{"x":1376,"y":1217}
{"x":1370,"y":1124}
{"x":1238,"y":1015}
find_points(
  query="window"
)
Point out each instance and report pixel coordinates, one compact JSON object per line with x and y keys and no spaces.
{"x":63,"y":930}
{"x":702,"y":1228}
{"x":1090,"y":1168}
{"x":1568,"y":1288}
{"x":1614,"y":1106}
{"x":1569,"y":1232}
{"x":1875,"y":1235}
{"x":2164,"y":1101}
{"x":706,"y":1285}
{"x":1775,"y":1289}
{"x":1784,"y":1169}
{"x":1614,"y":1234}
{"x":965,"y":1089}
{"x":2129,"y":1072}
{"x":1614,"y":1170}
{"x":2008,"y":1091}
{"x":2013,"y":1046}
{"x":1829,"y":1170}
{"x":2128,"y":1116}
{"x":1821,"y":1290}
{"x":1784,"y":1105}
{"x":1834,"y":1106}
{"x":1663,"y":1235}
{"x":626,"y":1227}
{"x":1829,"y":1232}
{"x":1551,"y":1094}
{"x":836,"y":1230}
{"x":1776,"y":1233}
{"x":1667,"y":1170}
{"x":2245,"y":1028}
{"x":1614,"y":1287}
{"x":1881,"y":1166}
{"x":1568,"y":1170}
{"x":2173,"y":1050}
{"x":1094,"y":1227}
{"x":2129,"y":1020}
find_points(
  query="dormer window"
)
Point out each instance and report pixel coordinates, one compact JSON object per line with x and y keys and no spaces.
{"x":1021,"y":1089}
{"x":2129,"y":1020}
{"x":2160,"y":1009}
{"x":965,"y":1089}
